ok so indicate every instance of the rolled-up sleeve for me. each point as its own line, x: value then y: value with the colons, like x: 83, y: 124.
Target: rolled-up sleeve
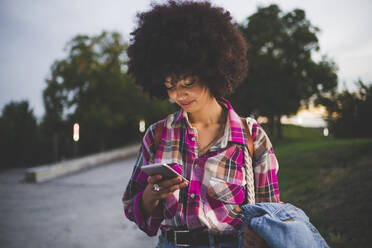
x: 265, y: 167
x: 132, y: 198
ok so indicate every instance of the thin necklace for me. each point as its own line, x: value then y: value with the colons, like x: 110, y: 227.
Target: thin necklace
x: 203, y: 150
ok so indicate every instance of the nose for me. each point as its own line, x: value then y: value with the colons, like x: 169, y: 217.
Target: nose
x: 179, y: 93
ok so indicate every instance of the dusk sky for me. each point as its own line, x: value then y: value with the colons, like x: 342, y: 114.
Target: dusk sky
x: 34, y: 33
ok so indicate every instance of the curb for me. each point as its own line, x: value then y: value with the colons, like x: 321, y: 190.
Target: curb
x: 48, y: 172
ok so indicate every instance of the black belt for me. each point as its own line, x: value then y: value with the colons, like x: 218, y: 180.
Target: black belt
x: 190, y: 238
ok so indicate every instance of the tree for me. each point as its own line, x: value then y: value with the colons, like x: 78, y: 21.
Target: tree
x: 19, y: 135
x: 282, y: 74
x: 90, y: 86
x: 349, y: 113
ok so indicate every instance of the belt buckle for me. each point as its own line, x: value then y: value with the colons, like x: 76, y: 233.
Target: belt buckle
x: 175, y: 238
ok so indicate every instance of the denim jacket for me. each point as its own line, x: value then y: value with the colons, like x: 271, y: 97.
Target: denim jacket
x: 282, y: 225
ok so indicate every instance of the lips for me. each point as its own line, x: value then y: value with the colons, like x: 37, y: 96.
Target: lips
x: 186, y: 104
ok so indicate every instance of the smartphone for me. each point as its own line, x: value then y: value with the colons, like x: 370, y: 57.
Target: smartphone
x: 165, y: 170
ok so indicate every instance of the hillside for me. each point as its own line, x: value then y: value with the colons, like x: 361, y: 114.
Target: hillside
x: 330, y: 180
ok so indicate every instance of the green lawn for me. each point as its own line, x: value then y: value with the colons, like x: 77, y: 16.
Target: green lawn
x: 330, y: 180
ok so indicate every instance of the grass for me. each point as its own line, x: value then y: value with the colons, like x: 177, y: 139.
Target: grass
x: 330, y: 180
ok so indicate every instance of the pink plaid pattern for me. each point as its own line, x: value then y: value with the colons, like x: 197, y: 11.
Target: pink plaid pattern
x: 217, y: 179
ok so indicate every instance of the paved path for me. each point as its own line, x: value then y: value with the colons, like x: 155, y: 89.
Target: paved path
x: 82, y: 210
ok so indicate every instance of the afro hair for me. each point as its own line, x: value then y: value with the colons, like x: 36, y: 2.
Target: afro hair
x: 187, y: 38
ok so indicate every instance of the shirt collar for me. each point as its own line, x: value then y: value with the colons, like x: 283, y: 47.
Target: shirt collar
x: 234, y: 130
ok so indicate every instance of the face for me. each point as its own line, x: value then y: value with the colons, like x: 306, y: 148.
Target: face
x: 188, y: 93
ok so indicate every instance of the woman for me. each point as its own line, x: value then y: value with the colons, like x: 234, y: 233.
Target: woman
x: 193, y: 53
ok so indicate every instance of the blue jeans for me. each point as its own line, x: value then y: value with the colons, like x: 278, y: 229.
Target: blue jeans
x: 164, y: 243
x: 282, y: 225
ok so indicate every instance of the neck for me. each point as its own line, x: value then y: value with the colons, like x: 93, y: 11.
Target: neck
x: 210, y: 113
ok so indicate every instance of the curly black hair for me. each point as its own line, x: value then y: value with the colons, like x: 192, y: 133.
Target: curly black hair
x: 187, y: 38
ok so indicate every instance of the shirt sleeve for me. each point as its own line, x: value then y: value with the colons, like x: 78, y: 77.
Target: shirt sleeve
x: 265, y: 166
x: 132, y: 197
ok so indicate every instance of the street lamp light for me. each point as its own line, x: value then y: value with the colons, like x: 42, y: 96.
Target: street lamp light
x: 76, y: 132
x: 142, y: 126
x: 325, y: 132
x: 75, y: 136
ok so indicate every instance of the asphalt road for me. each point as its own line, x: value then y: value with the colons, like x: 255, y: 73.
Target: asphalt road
x: 80, y: 210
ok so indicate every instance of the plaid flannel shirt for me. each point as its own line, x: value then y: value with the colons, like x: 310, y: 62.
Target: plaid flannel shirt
x: 217, y: 179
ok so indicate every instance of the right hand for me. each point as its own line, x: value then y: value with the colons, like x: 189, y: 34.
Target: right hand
x: 151, y: 198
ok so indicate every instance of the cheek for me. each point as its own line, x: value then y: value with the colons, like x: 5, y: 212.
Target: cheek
x: 202, y: 93
x: 197, y: 91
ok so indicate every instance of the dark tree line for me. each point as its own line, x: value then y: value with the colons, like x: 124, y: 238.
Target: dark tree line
x: 19, y: 135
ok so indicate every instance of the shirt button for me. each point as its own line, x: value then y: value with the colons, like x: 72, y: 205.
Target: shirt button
x: 192, y: 196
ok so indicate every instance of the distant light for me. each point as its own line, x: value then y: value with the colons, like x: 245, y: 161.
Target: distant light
x: 76, y: 132
x: 325, y: 132
x: 142, y: 126
x: 262, y: 119
x: 299, y: 120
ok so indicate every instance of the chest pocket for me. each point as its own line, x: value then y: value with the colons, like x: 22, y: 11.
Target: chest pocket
x: 226, y: 192
x: 225, y: 176
x: 227, y: 166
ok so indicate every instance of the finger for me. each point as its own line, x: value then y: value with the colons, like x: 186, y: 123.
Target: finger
x: 154, y: 179
x: 170, y: 182
x: 165, y: 193
x: 175, y: 187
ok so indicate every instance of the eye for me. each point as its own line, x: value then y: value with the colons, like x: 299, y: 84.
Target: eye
x: 190, y: 83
